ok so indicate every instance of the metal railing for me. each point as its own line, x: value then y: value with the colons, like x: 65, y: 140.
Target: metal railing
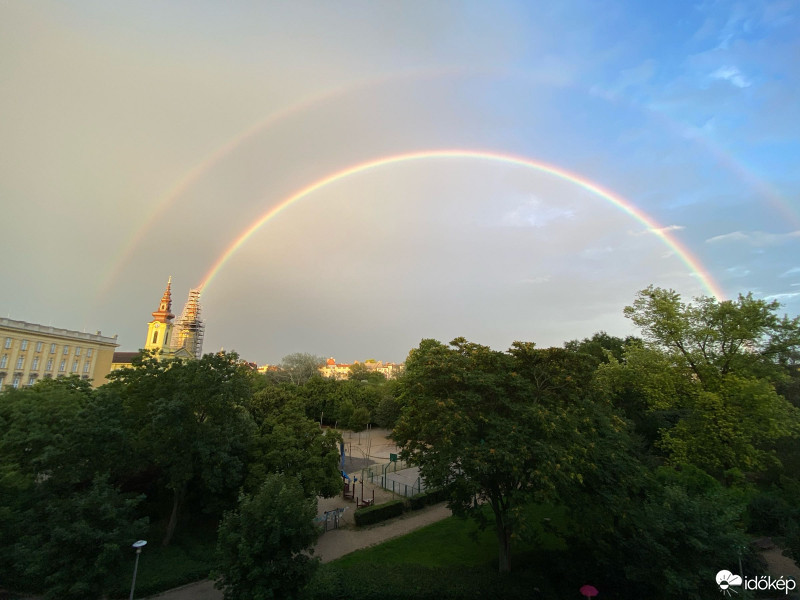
x: 396, y: 487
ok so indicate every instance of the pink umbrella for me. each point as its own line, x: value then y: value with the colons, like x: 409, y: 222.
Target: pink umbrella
x: 589, y: 591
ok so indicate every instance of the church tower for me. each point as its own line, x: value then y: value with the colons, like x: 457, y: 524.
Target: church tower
x: 159, y: 330
x: 189, y: 328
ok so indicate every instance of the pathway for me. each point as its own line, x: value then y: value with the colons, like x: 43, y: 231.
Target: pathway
x: 331, y: 545
x: 362, y: 449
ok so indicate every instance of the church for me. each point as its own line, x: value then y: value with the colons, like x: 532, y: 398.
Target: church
x: 182, y: 339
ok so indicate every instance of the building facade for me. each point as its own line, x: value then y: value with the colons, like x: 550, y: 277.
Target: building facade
x: 341, y: 371
x: 30, y: 352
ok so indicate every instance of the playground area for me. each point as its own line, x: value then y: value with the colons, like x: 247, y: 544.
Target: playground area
x: 367, y: 463
x: 369, y: 449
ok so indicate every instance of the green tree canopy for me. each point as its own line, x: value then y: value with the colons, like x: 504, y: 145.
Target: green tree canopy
x: 263, y: 548
x: 744, y: 336
x: 190, y: 424
x: 494, y: 428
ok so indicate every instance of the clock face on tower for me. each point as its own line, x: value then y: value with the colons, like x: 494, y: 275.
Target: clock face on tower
x: 156, y: 324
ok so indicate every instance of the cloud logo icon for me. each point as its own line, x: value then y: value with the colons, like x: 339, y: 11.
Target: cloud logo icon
x: 726, y: 579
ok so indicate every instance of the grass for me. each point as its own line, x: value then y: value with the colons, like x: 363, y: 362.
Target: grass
x: 449, y: 559
x: 456, y: 541
x: 188, y: 558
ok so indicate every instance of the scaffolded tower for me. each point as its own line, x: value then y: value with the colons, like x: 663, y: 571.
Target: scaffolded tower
x: 189, y: 328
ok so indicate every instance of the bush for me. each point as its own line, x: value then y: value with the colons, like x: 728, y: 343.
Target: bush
x: 379, y: 512
x: 427, y: 498
x: 768, y: 514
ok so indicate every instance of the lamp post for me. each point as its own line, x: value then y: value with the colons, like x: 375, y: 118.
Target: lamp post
x: 138, y: 545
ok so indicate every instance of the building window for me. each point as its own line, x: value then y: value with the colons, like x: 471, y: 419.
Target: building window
x: 8, y: 343
x: 66, y: 350
x: 39, y: 346
x: 52, y: 348
x: 75, y: 367
x: 77, y: 351
x: 31, y: 380
x: 24, y: 345
x: 62, y: 366
x: 3, y: 361
x: 86, y: 367
x: 35, y: 363
x: 49, y: 366
x: 155, y: 336
x: 20, y: 362
x: 15, y: 382
x: 89, y: 352
x: 2, y: 377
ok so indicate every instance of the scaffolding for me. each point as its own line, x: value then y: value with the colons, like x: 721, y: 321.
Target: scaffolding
x: 189, y: 328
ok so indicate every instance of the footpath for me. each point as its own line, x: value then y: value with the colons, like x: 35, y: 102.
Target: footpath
x: 361, y: 450
x: 332, y: 544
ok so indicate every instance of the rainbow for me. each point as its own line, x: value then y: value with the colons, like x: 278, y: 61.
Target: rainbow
x: 674, y: 244
x: 193, y: 175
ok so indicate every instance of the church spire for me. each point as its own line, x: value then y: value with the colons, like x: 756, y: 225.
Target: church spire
x: 164, y: 314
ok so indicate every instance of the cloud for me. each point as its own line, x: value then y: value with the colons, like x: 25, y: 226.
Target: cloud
x: 732, y: 75
x: 533, y: 213
x: 757, y: 239
x: 785, y: 296
x: 659, y: 230
x: 790, y: 272
x: 738, y: 271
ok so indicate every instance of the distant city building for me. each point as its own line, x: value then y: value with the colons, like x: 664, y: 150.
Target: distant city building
x: 30, y: 352
x: 183, y: 339
x: 342, y: 370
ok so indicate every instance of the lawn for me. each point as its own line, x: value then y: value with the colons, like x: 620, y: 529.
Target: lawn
x: 448, y: 559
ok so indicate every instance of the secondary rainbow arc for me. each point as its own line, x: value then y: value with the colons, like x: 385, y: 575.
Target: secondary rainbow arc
x: 626, y: 206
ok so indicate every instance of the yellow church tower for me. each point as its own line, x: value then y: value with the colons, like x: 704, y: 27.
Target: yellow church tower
x: 159, y: 330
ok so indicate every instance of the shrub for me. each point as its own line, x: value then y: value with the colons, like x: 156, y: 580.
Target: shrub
x: 379, y: 512
x: 768, y: 514
x: 427, y: 498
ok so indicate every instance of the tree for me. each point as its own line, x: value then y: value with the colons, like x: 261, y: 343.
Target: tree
x: 191, y: 425
x: 360, y: 372
x: 712, y: 365
x: 60, y: 442
x: 492, y: 428
x: 264, y: 546
x: 298, y: 368
x: 602, y: 347
x: 73, y: 544
x: 683, y: 528
x: 714, y: 338
x: 286, y: 441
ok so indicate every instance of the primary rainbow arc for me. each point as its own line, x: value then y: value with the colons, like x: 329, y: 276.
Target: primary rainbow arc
x: 626, y: 206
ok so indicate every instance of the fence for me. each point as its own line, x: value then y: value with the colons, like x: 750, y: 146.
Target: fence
x: 399, y: 479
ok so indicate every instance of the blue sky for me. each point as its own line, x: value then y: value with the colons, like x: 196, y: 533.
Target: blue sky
x: 130, y: 152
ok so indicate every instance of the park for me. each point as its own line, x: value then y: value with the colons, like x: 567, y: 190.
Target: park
x: 640, y: 467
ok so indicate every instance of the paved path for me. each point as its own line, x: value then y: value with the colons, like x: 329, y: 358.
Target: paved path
x: 372, y: 446
x: 331, y: 545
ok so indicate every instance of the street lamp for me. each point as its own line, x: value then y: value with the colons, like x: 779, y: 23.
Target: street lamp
x: 138, y: 545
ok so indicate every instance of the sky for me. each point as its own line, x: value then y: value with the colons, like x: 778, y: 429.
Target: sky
x: 560, y: 157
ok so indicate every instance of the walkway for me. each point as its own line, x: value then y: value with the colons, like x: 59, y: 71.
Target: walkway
x: 332, y: 545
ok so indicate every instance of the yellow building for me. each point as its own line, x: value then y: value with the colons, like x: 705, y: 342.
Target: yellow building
x: 185, y: 342
x: 341, y: 371
x: 29, y: 352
